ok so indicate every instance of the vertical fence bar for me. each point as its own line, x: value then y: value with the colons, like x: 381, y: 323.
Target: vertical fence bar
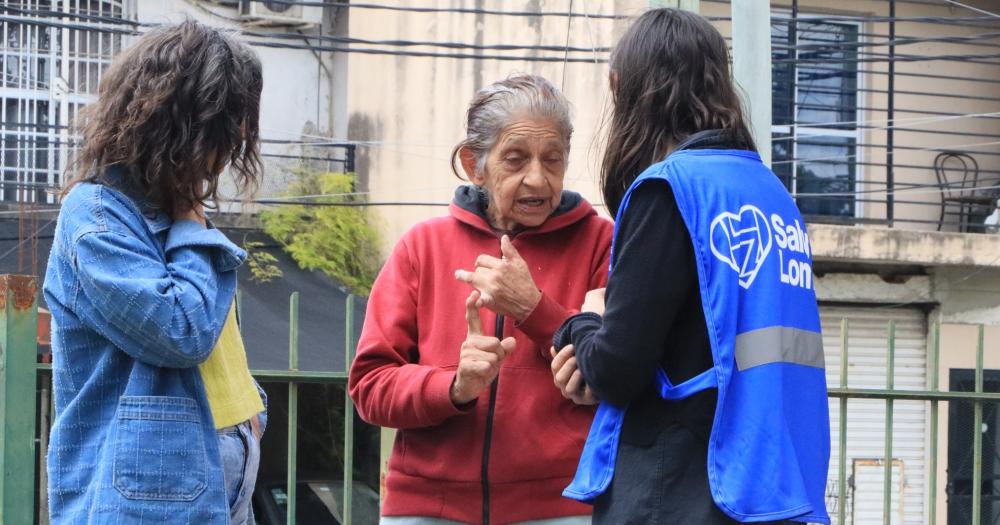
x: 18, y: 380
x: 293, y: 404
x: 977, y: 440
x: 44, y: 423
x: 889, y: 385
x: 842, y: 472
x: 348, y: 411
x: 932, y: 489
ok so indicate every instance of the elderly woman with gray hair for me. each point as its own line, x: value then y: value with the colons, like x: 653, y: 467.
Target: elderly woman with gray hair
x: 455, y: 351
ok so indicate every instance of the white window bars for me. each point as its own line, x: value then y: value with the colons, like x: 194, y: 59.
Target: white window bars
x: 51, y: 67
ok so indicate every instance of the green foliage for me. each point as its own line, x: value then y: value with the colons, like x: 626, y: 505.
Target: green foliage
x: 336, y: 240
x: 263, y: 265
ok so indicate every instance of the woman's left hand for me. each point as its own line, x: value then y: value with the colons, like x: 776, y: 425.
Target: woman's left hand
x: 505, y: 285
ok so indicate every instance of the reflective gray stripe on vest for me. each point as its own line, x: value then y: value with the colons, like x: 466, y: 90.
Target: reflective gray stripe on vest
x: 779, y: 344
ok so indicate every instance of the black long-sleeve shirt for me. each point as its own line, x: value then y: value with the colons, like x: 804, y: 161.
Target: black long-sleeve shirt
x: 653, y: 318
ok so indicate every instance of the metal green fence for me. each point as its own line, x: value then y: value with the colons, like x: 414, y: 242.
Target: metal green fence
x: 294, y: 377
x: 22, y: 496
x: 21, y: 377
x: 934, y: 396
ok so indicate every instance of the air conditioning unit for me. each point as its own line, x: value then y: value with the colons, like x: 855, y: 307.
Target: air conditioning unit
x: 270, y: 12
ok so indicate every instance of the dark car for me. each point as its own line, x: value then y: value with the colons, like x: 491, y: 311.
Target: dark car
x: 318, y: 502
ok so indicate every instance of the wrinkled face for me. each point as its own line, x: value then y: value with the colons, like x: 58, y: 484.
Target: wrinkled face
x: 523, y: 174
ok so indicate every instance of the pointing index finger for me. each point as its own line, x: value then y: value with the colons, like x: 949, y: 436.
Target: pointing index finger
x: 472, y: 314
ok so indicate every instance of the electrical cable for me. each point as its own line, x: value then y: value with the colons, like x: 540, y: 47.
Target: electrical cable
x: 508, y: 47
x: 329, y: 141
x: 569, y: 24
x: 328, y: 38
x: 935, y: 20
x: 823, y: 45
x: 335, y: 49
x: 854, y: 155
x: 566, y: 49
x: 975, y: 9
x: 348, y: 204
x: 458, y: 10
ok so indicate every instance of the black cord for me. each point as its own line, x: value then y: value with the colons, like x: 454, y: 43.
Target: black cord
x: 309, y: 47
x: 460, y: 10
x: 307, y: 37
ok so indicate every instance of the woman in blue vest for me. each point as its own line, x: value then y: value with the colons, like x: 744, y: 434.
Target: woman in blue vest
x: 705, y: 354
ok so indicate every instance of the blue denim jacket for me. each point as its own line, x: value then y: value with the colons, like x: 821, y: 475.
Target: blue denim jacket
x: 137, y: 303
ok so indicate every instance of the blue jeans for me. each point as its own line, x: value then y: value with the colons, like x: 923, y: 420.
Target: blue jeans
x: 240, y: 451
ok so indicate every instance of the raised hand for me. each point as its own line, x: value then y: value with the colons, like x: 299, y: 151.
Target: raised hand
x: 505, y: 284
x: 480, y: 358
x: 568, y: 379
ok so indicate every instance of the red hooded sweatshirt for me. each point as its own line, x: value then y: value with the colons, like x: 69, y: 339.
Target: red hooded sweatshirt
x: 507, y: 457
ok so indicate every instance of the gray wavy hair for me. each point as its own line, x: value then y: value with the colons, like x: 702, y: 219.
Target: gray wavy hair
x: 495, y: 106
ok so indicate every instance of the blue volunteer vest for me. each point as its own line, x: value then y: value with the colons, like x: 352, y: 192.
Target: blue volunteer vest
x: 769, y: 449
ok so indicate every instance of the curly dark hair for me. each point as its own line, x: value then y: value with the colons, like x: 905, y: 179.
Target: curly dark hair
x: 670, y: 79
x: 172, y: 111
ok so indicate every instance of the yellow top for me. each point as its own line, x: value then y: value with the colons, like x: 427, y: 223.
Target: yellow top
x: 232, y: 393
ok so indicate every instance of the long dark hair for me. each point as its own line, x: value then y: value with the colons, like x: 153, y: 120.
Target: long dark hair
x: 670, y: 78
x: 172, y: 111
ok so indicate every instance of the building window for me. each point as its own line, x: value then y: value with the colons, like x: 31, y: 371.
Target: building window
x: 815, y: 132
x: 48, y: 74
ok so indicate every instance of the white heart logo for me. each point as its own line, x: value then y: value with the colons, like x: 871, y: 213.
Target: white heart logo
x: 742, y: 241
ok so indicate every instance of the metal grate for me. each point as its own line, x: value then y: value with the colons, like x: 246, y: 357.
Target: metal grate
x: 48, y: 74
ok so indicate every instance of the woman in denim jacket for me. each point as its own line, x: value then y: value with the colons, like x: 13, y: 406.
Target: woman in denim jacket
x: 157, y: 418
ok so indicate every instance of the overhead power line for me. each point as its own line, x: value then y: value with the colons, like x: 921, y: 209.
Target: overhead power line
x: 457, y: 10
x: 325, y: 48
x: 417, y: 9
x: 307, y: 37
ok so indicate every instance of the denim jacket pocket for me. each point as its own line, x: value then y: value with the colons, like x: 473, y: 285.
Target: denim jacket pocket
x: 159, y: 449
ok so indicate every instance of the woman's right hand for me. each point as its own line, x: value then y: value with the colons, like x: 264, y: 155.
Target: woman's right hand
x: 568, y: 378
x: 480, y: 358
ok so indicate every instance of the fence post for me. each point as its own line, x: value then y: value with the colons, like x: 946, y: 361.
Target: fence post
x: 890, y: 386
x: 348, y: 411
x: 18, y: 381
x: 842, y: 467
x: 293, y: 407
x: 977, y: 440
x: 935, y: 363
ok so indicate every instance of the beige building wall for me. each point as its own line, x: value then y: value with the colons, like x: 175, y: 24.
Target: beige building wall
x: 413, y: 109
